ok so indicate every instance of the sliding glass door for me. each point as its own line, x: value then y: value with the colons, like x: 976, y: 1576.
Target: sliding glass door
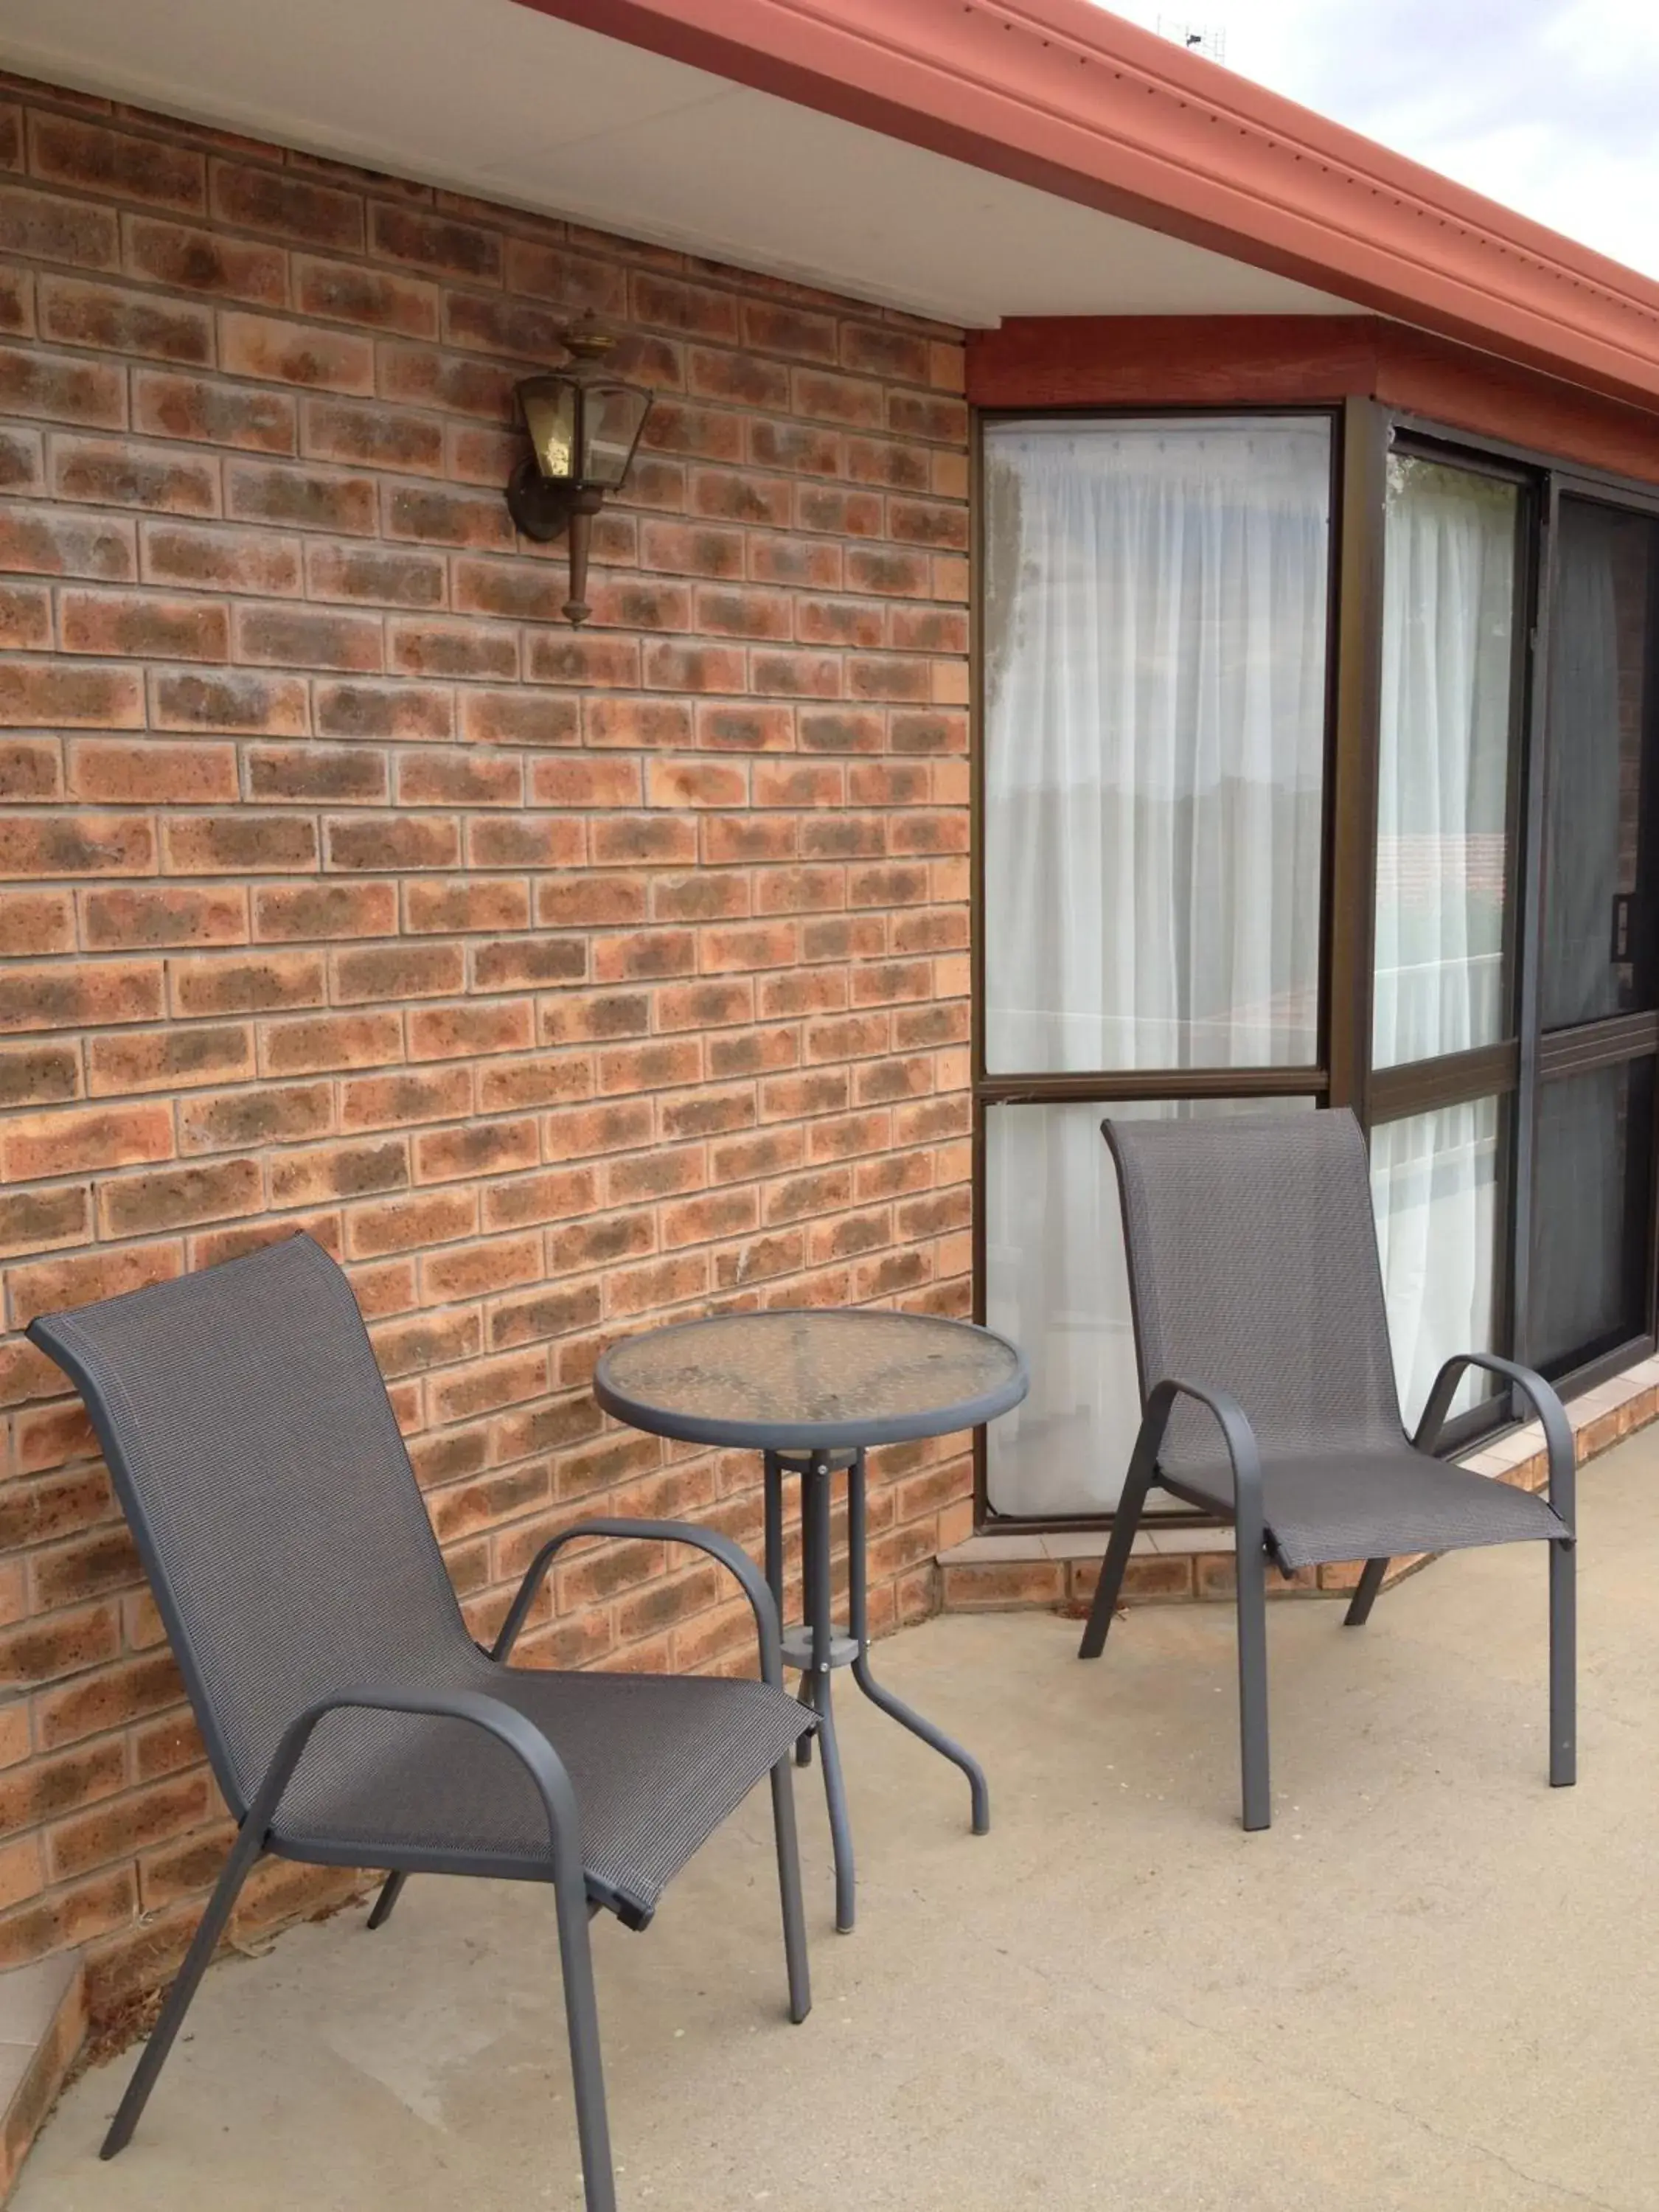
x: 1589, y: 1260
x: 1444, y: 1014
x: 1153, y: 830
x: 1166, y: 769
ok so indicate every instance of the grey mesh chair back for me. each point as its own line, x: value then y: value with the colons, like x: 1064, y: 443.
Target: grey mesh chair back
x: 1253, y: 1267
x: 1267, y: 1391
x: 260, y: 1466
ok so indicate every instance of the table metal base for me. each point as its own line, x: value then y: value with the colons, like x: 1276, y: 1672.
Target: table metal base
x: 818, y: 1648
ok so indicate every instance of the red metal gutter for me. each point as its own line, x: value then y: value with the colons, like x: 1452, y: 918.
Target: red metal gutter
x: 1059, y: 95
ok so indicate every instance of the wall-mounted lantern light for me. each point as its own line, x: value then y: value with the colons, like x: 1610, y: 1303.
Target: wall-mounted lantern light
x: 584, y: 423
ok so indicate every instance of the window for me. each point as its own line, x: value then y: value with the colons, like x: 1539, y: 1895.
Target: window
x: 1156, y: 615
x: 1154, y: 743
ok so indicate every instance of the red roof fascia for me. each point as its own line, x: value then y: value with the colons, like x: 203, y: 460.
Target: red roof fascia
x: 1059, y: 95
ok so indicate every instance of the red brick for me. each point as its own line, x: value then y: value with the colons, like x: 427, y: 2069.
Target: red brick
x: 446, y: 517
x: 25, y: 626
x: 450, y: 906
x: 273, y: 1113
x: 424, y: 377
x: 335, y: 774
x: 45, y: 227
x: 292, y: 207
x: 771, y: 327
x: 108, y: 473
x: 384, y: 710
x: 90, y: 159
x: 427, y: 241
x: 238, y: 704
x: 79, y: 312
x: 348, y: 293
x: 54, y: 1285
x: 572, y: 280
x: 329, y: 1042
x: 115, y: 771
x: 172, y: 1058
x: 324, y: 909
x: 257, y: 983
x: 281, y: 352
x: 167, y: 406
x: 62, y: 388
x: 289, y: 637
x: 458, y: 649
x: 35, y: 921
x: 76, y: 843
x: 389, y: 579
x: 379, y: 1102
x: 303, y: 499
x: 339, y: 430
x: 235, y: 844
x: 591, y: 661
x: 218, y: 559
x: 139, y: 1205
x: 191, y: 260
x: 46, y: 541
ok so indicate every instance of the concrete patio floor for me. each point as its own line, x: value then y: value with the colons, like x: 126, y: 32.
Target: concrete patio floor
x: 1433, y: 1984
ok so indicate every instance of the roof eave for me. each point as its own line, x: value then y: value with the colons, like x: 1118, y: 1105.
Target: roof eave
x: 1059, y: 95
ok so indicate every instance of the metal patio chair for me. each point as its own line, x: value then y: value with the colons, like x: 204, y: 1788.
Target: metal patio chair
x: 1268, y: 1392
x: 349, y: 1718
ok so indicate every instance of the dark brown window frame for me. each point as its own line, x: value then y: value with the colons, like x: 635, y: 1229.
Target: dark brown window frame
x: 1364, y: 432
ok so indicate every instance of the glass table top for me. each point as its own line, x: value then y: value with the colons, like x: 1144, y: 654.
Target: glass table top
x: 794, y: 1379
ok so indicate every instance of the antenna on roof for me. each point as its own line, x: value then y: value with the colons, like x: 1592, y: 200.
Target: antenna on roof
x: 1209, y: 39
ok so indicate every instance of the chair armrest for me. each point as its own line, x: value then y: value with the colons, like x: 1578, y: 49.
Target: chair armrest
x: 1546, y: 1403
x: 497, y: 1718
x: 731, y: 1556
x: 1243, y: 1453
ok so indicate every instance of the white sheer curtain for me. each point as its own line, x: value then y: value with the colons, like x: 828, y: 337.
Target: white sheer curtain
x: 1154, y: 733
x: 1441, y: 871
x: 1447, y: 646
x: 1155, y: 708
x: 1058, y: 1285
x: 1434, y: 1186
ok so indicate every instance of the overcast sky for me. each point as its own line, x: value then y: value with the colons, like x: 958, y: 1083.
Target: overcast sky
x: 1549, y: 106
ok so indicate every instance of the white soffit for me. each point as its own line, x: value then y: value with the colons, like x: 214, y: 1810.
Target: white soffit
x: 492, y: 98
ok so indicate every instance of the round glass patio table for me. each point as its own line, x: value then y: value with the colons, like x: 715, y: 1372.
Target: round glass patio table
x: 812, y: 1390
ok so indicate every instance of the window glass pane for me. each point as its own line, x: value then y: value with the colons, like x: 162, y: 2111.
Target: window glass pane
x: 1442, y: 792
x: 1592, y: 1205
x: 1154, y: 728
x: 1598, y: 927
x: 1056, y: 1282
x: 1434, y: 1186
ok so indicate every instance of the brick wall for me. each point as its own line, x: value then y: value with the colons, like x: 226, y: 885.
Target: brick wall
x: 557, y: 982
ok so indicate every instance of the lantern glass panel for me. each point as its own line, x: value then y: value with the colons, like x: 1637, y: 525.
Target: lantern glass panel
x: 612, y: 418
x: 549, y: 414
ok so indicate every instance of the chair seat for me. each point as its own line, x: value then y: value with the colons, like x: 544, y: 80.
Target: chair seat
x: 1373, y: 1502
x: 656, y: 1764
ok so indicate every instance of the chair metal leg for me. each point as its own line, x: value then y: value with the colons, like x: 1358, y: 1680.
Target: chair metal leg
x: 1125, y: 1522
x: 390, y: 1890
x: 1252, y: 1585
x: 247, y: 1849
x: 789, y: 1889
x: 581, y: 2015
x: 1564, y: 1664
x: 1365, y: 1593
